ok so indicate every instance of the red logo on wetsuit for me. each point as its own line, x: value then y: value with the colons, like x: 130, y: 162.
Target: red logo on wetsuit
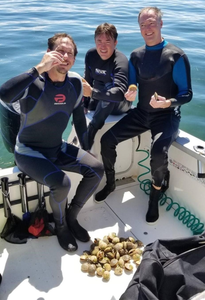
x: 60, y: 98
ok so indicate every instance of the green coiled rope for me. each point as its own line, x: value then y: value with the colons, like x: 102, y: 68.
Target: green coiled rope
x: 187, y: 218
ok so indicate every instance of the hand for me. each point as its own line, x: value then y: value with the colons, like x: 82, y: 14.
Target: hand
x: 130, y: 95
x: 50, y: 60
x: 87, y: 89
x: 159, y: 102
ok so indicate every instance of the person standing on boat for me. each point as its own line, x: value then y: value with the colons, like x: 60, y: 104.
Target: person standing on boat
x: 106, y: 80
x: 48, y: 94
x: 162, y: 73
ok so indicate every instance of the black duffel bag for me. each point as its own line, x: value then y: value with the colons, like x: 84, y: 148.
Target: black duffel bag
x: 170, y: 270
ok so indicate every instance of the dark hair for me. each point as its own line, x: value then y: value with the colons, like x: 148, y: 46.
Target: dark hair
x: 108, y: 29
x: 52, y: 41
x: 154, y: 8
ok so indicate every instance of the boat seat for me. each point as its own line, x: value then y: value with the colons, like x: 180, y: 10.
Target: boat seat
x: 194, y: 147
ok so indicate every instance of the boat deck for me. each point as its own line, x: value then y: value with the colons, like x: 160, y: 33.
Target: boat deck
x: 41, y: 270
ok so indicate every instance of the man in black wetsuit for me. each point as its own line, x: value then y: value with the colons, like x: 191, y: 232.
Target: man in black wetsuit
x: 106, y: 75
x: 162, y: 73
x: 48, y: 94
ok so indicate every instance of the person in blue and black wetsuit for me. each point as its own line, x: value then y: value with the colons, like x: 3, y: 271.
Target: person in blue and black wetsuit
x: 48, y: 94
x: 106, y: 75
x: 162, y: 73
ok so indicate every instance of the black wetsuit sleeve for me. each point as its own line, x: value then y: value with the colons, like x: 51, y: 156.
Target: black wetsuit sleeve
x: 182, y: 78
x: 86, y: 101
x: 13, y: 89
x: 79, y: 122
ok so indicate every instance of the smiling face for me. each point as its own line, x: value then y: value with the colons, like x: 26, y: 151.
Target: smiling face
x: 150, y: 26
x: 66, y: 48
x: 105, y: 45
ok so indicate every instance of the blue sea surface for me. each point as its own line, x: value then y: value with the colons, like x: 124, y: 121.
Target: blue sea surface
x: 27, y: 25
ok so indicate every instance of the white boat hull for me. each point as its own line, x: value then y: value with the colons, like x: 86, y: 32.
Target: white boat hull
x: 40, y: 269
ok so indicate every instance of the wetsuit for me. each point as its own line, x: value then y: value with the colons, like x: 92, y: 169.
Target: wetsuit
x: 46, y: 108
x: 164, y: 69
x: 109, y: 79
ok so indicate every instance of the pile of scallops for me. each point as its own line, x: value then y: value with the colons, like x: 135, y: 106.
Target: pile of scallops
x: 111, y: 253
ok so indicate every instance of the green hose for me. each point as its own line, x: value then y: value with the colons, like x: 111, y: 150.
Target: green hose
x: 188, y: 219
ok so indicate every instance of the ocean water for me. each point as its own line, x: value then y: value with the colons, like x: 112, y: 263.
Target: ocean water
x: 26, y: 26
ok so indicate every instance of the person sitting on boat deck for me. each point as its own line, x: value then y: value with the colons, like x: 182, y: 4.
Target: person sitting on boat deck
x: 106, y: 79
x: 162, y: 73
x: 49, y: 93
